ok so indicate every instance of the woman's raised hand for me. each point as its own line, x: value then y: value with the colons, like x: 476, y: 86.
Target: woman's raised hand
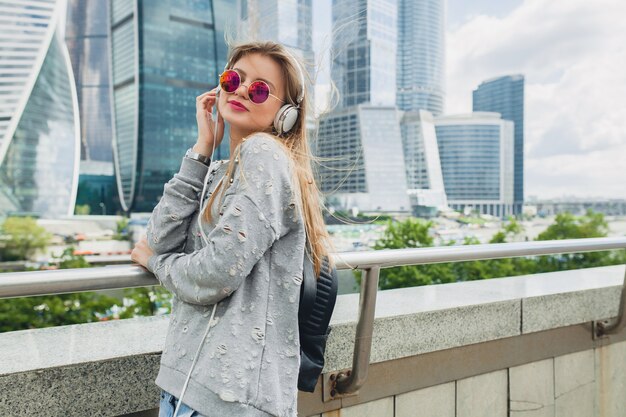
x: 206, y: 124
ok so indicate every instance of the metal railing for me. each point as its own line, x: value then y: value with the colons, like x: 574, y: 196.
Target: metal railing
x: 345, y: 382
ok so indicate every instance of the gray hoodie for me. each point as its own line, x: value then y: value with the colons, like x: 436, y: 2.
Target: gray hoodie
x: 252, y: 269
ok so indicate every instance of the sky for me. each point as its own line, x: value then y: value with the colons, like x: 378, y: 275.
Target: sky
x: 573, y: 56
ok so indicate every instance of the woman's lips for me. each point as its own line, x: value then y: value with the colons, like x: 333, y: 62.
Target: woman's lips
x: 237, y: 106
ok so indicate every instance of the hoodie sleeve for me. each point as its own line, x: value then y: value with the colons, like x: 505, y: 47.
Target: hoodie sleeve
x: 168, y: 224
x: 250, y: 221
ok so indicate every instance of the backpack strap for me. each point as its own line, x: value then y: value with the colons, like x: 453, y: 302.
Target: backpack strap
x: 317, y: 297
x: 308, y: 289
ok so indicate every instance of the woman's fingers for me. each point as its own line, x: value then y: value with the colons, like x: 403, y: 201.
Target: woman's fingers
x: 208, y: 101
x: 201, y: 96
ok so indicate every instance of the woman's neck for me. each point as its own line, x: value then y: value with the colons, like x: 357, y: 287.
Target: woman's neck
x: 236, y: 135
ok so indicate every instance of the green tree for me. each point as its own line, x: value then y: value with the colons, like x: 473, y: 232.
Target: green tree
x: 122, y: 230
x: 146, y: 301
x: 569, y: 226
x: 58, y: 309
x: 82, y: 209
x: 411, y: 233
x: 21, y: 237
x: 68, y: 260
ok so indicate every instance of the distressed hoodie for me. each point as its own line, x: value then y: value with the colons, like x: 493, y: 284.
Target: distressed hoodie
x: 251, y: 272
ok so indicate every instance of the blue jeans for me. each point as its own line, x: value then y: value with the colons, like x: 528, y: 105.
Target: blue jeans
x: 168, y: 403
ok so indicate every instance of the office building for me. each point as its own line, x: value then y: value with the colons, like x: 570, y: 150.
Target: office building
x: 362, y: 164
x: 423, y: 168
x: 505, y: 95
x: 39, y: 119
x: 476, y: 152
x: 163, y: 55
x: 421, y: 55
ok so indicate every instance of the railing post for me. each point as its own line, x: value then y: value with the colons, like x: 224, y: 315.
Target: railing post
x: 602, y: 328
x: 349, y: 381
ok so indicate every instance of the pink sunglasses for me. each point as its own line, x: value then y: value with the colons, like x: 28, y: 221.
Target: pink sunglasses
x: 258, y: 91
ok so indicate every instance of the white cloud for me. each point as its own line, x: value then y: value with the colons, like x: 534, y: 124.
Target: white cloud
x: 573, y: 55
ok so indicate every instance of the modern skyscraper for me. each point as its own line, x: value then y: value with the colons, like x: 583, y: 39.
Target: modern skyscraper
x: 505, y: 95
x: 423, y: 166
x: 163, y: 55
x: 86, y: 38
x: 421, y: 55
x: 364, y: 50
x: 362, y: 138
x: 289, y: 22
x: 476, y: 153
x: 362, y: 164
x: 39, y: 120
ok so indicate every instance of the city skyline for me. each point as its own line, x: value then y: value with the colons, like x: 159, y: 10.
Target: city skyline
x: 573, y: 145
x: 572, y: 58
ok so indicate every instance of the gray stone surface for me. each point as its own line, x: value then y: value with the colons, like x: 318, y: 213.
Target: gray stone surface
x: 107, y: 388
x: 610, y: 386
x: 531, y: 388
x: 482, y: 395
x: 574, y: 379
x: 28, y: 350
x: 437, y: 401
x: 376, y: 408
x: 411, y: 334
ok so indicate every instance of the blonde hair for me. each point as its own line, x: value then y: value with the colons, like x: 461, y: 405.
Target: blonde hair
x: 296, y: 146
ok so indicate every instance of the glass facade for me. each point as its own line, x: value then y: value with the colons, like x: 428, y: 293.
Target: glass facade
x: 289, y: 22
x: 86, y: 36
x: 357, y: 168
x: 97, y: 188
x: 364, y: 51
x: 40, y: 148
x: 343, y: 168
x: 476, y: 154
x: 163, y: 55
x: 421, y: 55
x: 505, y: 95
x: 421, y: 158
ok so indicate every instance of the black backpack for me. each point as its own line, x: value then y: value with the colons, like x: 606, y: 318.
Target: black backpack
x: 317, y: 301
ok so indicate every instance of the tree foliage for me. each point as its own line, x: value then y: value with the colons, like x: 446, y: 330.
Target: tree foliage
x: 21, y: 237
x: 416, y: 233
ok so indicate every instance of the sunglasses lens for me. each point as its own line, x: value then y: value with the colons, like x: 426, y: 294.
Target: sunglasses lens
x: 258, y: 92
x: 229, y: 81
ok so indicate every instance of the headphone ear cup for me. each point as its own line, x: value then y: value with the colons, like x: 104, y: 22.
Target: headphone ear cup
x: 285, y: 118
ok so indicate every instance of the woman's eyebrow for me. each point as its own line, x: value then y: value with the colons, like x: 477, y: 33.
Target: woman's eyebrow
x: 262, y: 79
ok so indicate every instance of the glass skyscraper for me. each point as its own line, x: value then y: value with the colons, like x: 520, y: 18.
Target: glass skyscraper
x: 421, y: 55
x: 362, y: 164
x: 362, y: 140
x: 505, y: 95
x: 476, y: 153
x: 364, y: 50
x: 86, y: 39
x: 289, y: 22
x: 423, y: 166
x: 39, y: 119
x: 163, y: 55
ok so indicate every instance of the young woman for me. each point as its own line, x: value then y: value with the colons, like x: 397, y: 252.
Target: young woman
x: 234, y: 264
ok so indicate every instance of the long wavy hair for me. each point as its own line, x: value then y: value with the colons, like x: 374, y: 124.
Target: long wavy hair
x: 296, y: 144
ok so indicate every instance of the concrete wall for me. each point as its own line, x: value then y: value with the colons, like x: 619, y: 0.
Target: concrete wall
x: 519, y: 346
x: 582, y: 384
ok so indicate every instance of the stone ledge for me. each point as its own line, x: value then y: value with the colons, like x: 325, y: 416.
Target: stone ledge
x: 409, y: 321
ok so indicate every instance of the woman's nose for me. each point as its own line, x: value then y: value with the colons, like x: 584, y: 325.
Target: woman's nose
x: 242, y: 91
